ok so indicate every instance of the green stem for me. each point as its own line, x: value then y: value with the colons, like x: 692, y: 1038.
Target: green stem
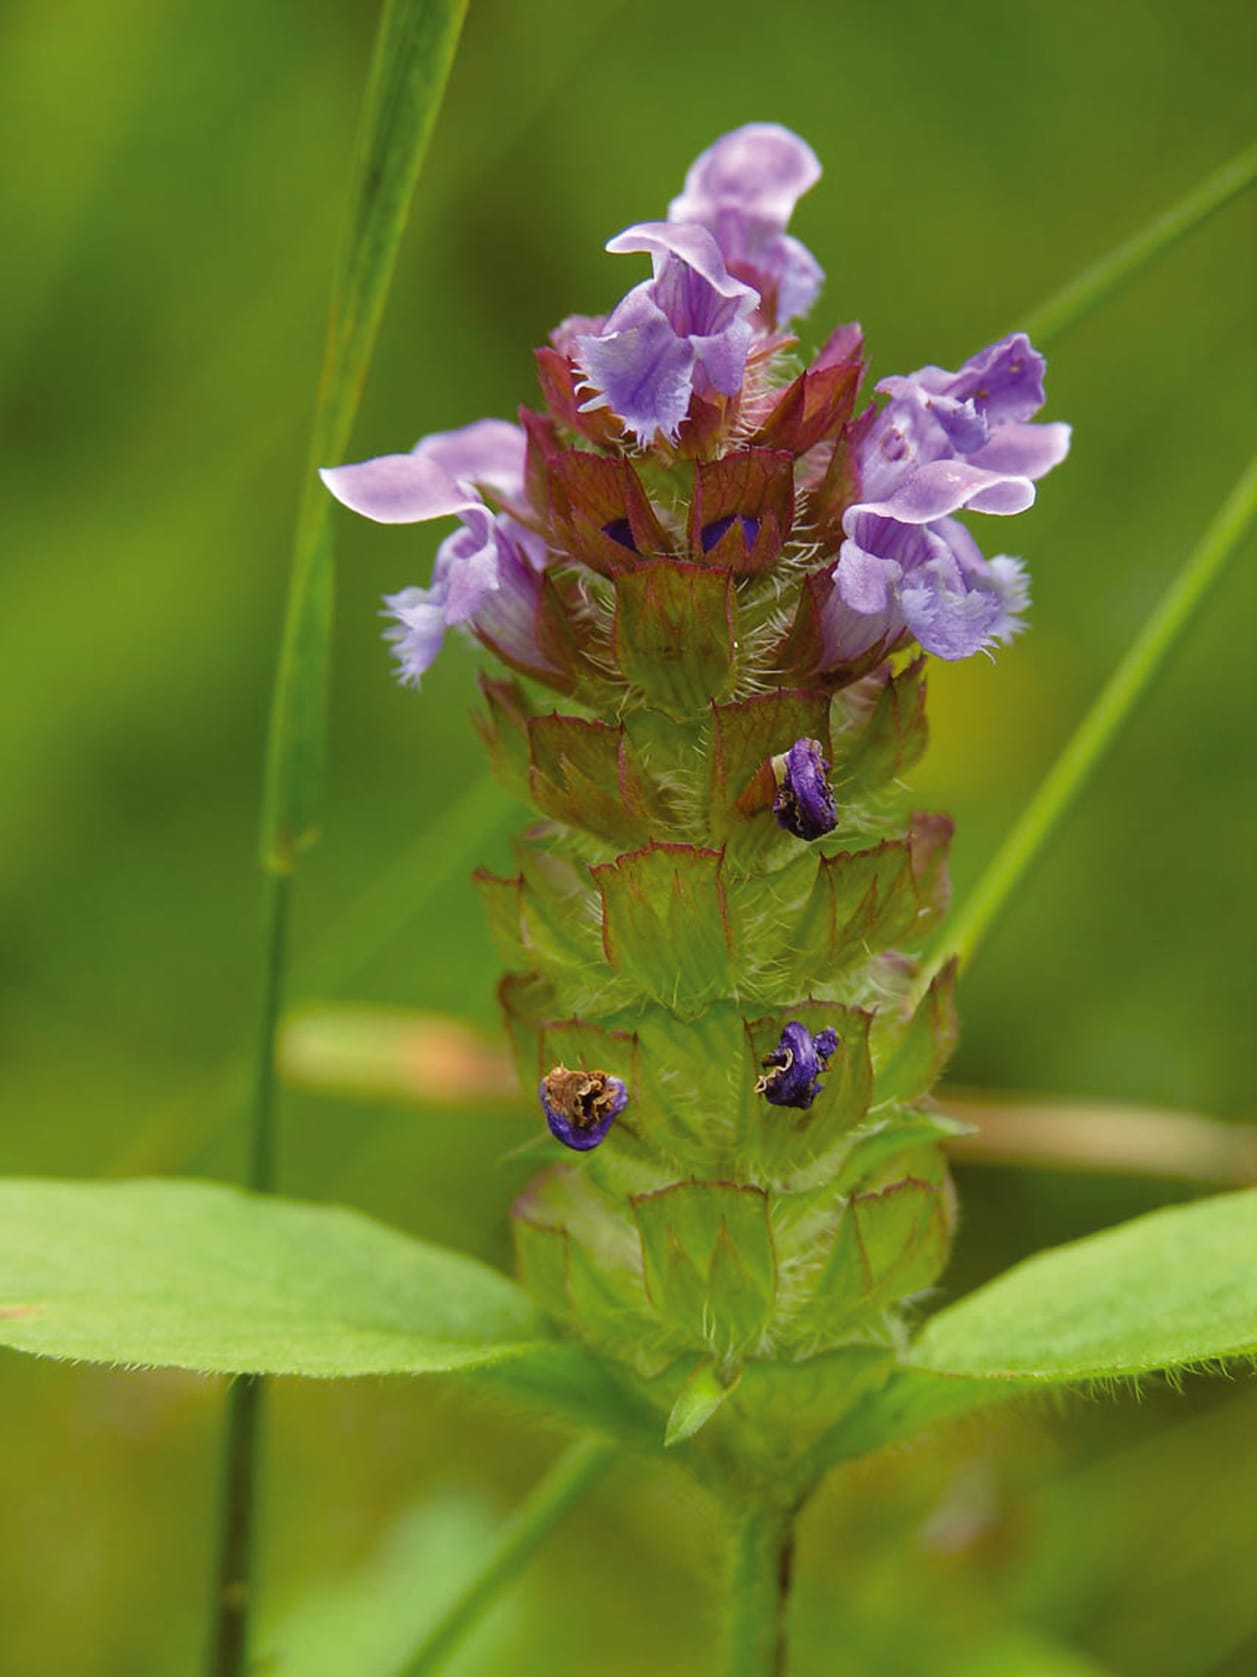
x: 761, y: 1560
x: 229, y: 1650
x: 526, y: 1531
x: 1110, y: 273
x: 414, y: 51
x: 1096, y: 733
x: 229, y: 1653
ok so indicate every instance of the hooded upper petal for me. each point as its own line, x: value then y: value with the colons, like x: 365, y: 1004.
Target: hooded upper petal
x: 685, y: 329
x: 761, y: 170
x: 743, y: 190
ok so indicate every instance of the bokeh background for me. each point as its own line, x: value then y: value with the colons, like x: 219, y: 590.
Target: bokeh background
x: 172, y: 200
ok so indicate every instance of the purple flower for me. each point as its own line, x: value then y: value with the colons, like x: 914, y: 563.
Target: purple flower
x: 488, y: 573
x: 743, y: 189
x: 944, y: 442
x: 804, y: 804
x: 684, y: 331
x: 437, y: 477
x: 792, y: 1069
x: 581, y: 1106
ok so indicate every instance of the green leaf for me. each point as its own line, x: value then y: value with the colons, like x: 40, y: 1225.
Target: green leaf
x: 1172, y: 1289
x: 198, y: 1276
x: 413, y: 55
x: 699, y: 1399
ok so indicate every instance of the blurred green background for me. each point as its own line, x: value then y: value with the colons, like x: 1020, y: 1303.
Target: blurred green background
x: 172, y: 203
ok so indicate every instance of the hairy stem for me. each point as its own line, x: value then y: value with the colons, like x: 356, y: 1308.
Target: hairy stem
x: 1096, y: 733
x: 525, y: 1532
x: 761, y: 1559
x: 1097, y: 283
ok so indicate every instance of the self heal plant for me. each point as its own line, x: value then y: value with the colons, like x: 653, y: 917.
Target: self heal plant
x: 713, y: 597
x: 713, y: 574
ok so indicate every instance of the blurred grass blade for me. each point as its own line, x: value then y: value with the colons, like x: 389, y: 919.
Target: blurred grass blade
x: 537, y: 1516
x: 413, y: 54
x: 1075, y: 1135
x: 1110, y: 273
x: 1099, y: 729
x: 364, y: 1622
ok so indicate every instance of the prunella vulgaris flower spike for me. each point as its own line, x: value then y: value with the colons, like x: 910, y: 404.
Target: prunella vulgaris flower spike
x: 730, y: 574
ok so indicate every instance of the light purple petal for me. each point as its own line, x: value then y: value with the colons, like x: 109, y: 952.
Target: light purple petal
x: 798, y: 274
x: 1025, y: 450
x: 691, y: 245
x: 643, y: 373
x: 943, y: 487
x: 947, y: 618
x: 1004, y: 577
x: 1005, y: 380
x: 722, y: 357
x: 467, y: 564
x: 761, y: 169
x: 865, y: 581
x: 397, y: 489
x: 419, y: 624
x: 488, y: 452
x: 508, y: 616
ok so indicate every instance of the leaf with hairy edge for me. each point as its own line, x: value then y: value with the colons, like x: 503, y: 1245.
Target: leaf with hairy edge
x: 194, y: 1275
x: 1174, y: 1288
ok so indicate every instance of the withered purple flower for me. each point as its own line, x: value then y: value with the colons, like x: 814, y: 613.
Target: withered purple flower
x: 804, y: 804
x: 581, y: 1106
x: 792, y: 1070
